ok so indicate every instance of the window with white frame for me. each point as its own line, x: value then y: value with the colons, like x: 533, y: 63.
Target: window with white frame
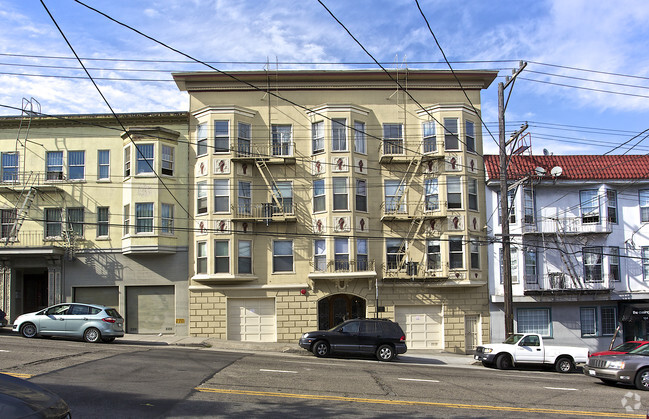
x: 361, y: 195
x: 54, y: 165
x: 167, y: 218
x: 588, y: 319
x: 451, y: 140
x: 645, y: 263
x: 7, y: 219
x: 221, y: 136
x: 475, y: 254
x: 319, y: 198
x: 201, y: 197
x: 513, y: 258
x: 394, y: 199
x: 528, y: 203
x: 362, y: 255
x: 221, y: 256
x: 74, y: 218
x: 392, y: 139
x: 127, y: 161
x: 395, y: 253
x: 531, y: 275
x: 76, y: 165
x: 598, y: 321
x: 341, y: 253
x: 167, y: 160
x: 430, y: 139
x: 473, y: 194
x: 511, y: 207
x: 221, y: 195
x: 589, y: 206
x: 611, y: 206
x: 283, y: 256
x: 360, y: 144
x: 127, y: 219
x: 244, y: 257
x: 433, y: 255
x: 456, y: 252
x: 244, y: 199
x: 283, y: 190
x: 144, y: 217
x: 431, y: 190
x: 320, y: 255
x: 103, y: 165
x: 592, y: 257
x: 144, y: 160
x: 339, y: 134
x: 340, y: 193
x: 469, y: 135
x: 282, y: 140
x: 614, y: 263
x: 243, y: 139
x: 644, y: 205
x: 201, y: 257
x: 201, y: 140
x: 10, y: 167
x: 534, y: 320
x: 53, y: 222
x: 454, y: 192
x: 317, y: 137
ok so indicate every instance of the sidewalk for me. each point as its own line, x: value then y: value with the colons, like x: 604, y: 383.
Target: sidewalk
x: 423, y: 356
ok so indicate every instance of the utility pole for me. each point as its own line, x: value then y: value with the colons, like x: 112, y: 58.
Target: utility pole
x: 504, y: 207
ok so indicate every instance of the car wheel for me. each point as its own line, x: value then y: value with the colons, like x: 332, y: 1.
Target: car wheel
x: 92, y: 335
x: 608, y: 382
x: 503, y: 362
x: 385, y: 353
x: 107, y: 340
x: 28, y: 330
x: 564, y: 364
x: 321, y: 349
x: 642, y: 380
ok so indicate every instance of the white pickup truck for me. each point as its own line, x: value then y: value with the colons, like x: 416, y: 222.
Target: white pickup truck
x: 528, y: 348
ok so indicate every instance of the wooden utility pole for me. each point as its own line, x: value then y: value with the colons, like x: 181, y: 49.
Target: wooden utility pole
x: 504, y: 207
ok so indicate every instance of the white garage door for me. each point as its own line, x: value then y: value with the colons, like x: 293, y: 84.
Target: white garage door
x: 251, y: 319
x: 423, y: 326
x: 150, y: 309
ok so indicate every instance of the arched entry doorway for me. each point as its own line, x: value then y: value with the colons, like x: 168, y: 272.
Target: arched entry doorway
x: 337, y: 308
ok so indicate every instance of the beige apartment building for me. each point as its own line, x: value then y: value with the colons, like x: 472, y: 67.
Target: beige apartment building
x: 95, y: 210
x: 317, y: 196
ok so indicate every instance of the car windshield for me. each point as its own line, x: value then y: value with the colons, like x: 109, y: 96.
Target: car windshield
x: 643, y: 350
x: 513, y: 339
x: 625, y: 347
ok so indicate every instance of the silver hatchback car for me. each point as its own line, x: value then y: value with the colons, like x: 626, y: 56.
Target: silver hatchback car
x: 91, y: 322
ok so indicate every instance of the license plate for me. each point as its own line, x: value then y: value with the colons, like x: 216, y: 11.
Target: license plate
x: 591, y: 372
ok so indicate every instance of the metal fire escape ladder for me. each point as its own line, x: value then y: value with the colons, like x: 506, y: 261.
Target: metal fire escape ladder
x: 565, y: 258
x: 270, y: 183
x: 27, y: 196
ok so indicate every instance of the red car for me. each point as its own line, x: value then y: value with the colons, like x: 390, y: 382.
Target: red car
x: 624, y: 348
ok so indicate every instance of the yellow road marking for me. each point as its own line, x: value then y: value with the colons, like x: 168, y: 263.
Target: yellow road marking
x: 416, y: 403
x: 17, y: 375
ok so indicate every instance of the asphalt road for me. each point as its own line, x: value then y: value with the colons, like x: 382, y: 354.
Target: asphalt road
x: 148, y: 381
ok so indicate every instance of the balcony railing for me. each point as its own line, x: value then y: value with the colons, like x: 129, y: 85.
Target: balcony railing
x: 342, y: 266
x: 410, y: 270
x: 31, y: 238
x: 404, y: 210
x: 560, y: 281
x: 571, y: 225
x: 392, y: 148
x: 264, y: 211
x: 247, y: 150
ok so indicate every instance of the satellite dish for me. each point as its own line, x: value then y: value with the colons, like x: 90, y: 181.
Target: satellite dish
x: 556, y: 171
x: 546, y: 152
x: 540, y: 171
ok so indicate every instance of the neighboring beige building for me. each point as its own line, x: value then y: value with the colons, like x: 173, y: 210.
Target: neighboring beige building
x: 323, y: 195
x: 93, y: 213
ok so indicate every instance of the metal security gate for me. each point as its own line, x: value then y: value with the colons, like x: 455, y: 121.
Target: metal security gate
x: 150, y: 310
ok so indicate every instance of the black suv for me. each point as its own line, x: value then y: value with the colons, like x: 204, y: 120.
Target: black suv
x: 381, y: 337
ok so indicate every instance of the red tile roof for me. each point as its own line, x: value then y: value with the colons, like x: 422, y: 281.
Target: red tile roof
x: 572, y: 167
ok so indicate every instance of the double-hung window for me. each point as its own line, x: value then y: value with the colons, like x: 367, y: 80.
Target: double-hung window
x: 7, y: 219
x: 392, y: 139
x: 340, y: 193
x: 395, y: 253
x: 320, y: 255
x: 221, y: 136
x: 614, y: 263
x: 221, y: 195
x: 54, y: 162
x: 451, y: 140
x: 473, y: 194
x: 592, y: 257
x: 201, y: 197
x: 456, y: 252
x: 433, y: 255
x: 528, y: 203
x: 338, y: 134
x: 430, y: 139
x: 341, y: 253
x: 394, y: 199
x: 319, y: 198
x: 103, y: 165
x: 513, y: 262
x: 245, y: 198
x: 167, y: 160
x: 201, y: 257
x: 127, y: 219
x: 611, y: 206
x: 511, y: 207
x: 531, y: 276
x: 144, y: 217
x: 598, y: 321
x: 282, y: 140
x: 534, y: 320
x: 645, y: 263
x: 144, y: 158
x: 360, y: 145
x: 74, y: 218
x: 283, y: 256
x: 244, y: 254
x: 127, y: 161
x: 283, y: 190
x: 589, y: 206
x: 469, y: 135
x: 474, y: 246
x: 431, y: 190
x: 76, y: 165
x: 361, y: 195
x: 53, y: 222
x: 221, y: 256
x: 167, y: 218
x: 201, y: 140
x: 317, y: 137
x: 243, y: 144
x: 644, y: 205
x: 10, y: 167
x: 362, y: 261
x: 454, y: 192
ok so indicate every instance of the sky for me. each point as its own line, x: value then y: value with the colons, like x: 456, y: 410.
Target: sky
x: 585, y: 89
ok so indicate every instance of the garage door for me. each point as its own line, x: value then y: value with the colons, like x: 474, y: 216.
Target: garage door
x: 251, y: 319
x: 150, y: 310
x: 423, y: 326
x: 106, y: 296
